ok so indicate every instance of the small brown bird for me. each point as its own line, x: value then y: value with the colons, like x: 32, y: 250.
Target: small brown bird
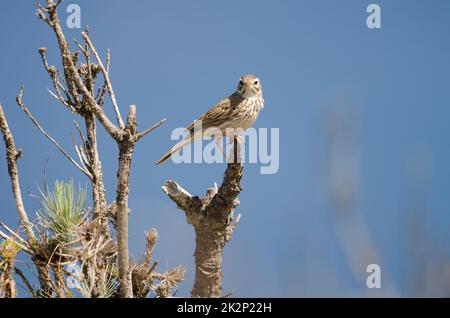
x: 238, y: 111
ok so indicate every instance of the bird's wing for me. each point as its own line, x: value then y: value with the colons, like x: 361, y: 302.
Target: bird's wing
x: 226, y: 108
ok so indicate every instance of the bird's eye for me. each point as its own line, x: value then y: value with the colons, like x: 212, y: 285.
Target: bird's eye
x: 256, y: 83
x: 241, y: 82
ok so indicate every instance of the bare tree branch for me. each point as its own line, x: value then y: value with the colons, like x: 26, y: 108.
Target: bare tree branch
x: 126, y: 148
x: 102, y: 92
x: 149, y: 130
x: 53, y: 73
x: 54, y: 142
x: 72, y: 76
x: 80, y: 82
x: 12, y: 155
x: 213, y: 221
x: 107, y: 80
x: 181, y: 197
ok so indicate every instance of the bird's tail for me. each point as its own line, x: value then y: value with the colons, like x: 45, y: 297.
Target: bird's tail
x: 174, y: 149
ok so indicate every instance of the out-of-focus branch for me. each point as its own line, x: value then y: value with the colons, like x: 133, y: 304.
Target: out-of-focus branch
x: 351, y: 231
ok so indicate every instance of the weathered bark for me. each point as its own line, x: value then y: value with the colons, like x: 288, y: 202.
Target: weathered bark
x: 213, y: 222
x: 126, y: 148
x: 7, y: 282
x: 44, y: 277
x: 76, y: 92
x: 208, y: 262
x: 98, y: 188
x: 90, y: 107
x: 12, y: 155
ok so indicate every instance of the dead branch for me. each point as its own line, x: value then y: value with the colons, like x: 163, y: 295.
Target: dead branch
x: 126, y: 148
x: 107, y: 80
x: 53, y: 73
x: 149, y: 130
x: 98, y: 188
x: 12, y: 155
x: 92, y: 246
x: 22, y: 105
x: 126, y: 136
x: 213, y: 222
x: 144, y: 273
x: 77, y: 105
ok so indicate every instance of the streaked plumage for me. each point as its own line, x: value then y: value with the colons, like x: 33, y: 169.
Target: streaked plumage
x: 239, y: 110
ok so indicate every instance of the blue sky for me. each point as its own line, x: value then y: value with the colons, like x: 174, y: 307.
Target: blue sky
x: 316, y: 59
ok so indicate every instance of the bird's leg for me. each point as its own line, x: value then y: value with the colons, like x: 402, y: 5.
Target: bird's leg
x: 240, y: 141
x: 218, y: 142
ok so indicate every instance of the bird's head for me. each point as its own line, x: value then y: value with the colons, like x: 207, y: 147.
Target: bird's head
x: 249, y: 86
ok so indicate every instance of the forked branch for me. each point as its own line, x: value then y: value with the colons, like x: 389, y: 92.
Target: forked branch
x: 213, y: 221
x: 80, y: 86
x: 25, y: 109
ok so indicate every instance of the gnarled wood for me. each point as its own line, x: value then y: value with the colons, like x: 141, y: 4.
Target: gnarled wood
x: 213, y: 222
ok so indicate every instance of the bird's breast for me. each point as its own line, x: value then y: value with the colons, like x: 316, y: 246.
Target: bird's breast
x: 251, y: 109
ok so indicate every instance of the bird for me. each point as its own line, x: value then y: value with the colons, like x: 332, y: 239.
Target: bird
x: 238, y: 111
